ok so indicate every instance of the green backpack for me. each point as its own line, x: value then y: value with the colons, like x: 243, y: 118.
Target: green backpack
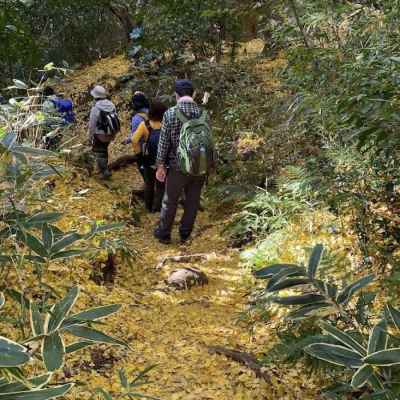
x: 196, y: 152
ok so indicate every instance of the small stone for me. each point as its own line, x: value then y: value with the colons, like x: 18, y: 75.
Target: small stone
x: 186, y: 278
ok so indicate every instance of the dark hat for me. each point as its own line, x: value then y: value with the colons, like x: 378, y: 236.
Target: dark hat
x: 183, y: 85
x: 139, y: 101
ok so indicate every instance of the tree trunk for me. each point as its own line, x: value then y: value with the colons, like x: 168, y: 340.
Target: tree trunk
x: 121, y: 12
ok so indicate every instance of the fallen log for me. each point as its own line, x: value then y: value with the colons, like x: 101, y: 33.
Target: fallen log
x: 247, y: 359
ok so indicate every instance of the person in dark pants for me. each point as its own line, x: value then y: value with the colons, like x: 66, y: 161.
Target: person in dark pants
x: 146, y: 138
x: 176, y: 181
x: 98, y: 139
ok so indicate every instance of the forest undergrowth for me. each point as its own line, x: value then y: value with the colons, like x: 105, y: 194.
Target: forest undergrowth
x: 260, y: 216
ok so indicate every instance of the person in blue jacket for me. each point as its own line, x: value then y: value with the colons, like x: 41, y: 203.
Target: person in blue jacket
x: 140, y: 106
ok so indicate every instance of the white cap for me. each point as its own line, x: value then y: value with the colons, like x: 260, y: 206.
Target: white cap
x: 98, y: 92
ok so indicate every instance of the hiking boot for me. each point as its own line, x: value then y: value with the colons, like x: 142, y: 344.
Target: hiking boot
x: 164, y: 239
x: 102, y: 165
x: 185, y: 237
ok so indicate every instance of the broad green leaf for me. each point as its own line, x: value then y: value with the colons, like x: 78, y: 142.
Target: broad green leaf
x: 36, y: 382
x: 61, y: 309
x: 123, y: 378
x: 64, y: 242
x: 394, y: 315
x: 307, y: 311
x: 362, y: 376
x: 47, y: 236
x: 2, y: 299
x: 42, y: 394
x: 335, y: 354
x: 267, y: 272
x: 291, y: 271
x: 7, y: 259
x: 78, y: 346
x: 104, y: 228
x: 53, y: 351
x: 36, y: 319
x: 33, y: 243
x: 344, y: 338
x: 104, y: 394
x: 314, y: 261
x: 288, y: 283
x: 92, y: 314
x: 18, y: 297
x: 378, y: 338
x: 346, y: 294
x: 85, y: 332
x: 67, y: 254
x: 12, y: 354
x: 299, y: 300
x: 384, y: 358
x: 43, y: 218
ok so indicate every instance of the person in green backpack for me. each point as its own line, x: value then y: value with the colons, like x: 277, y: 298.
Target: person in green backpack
x: 185, y: 158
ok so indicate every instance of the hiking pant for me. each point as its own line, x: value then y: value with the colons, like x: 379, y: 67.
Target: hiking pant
x: 153, y: 189
x: 191, y: 186
x: 140, y: 164
x: 100, y: 152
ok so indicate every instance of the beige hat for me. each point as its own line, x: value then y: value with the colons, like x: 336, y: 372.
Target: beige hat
x: 98, y: 92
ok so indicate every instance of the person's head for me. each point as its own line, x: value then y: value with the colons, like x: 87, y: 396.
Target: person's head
x: 139, y: 102
x: 157, y: 110
x: 98, y: 92
x: 184, y: 87
x: 48, y: 91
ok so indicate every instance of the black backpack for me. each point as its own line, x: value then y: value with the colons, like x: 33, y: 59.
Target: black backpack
x: 150, y: 147
x: 108, y: 123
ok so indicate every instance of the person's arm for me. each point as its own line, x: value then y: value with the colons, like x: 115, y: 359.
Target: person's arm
x: 163, y: 148
x: 136, y: 121
x: 94, y: 116
x: 140, y: 132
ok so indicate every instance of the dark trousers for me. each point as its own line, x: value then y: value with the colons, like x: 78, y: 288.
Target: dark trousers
x: 153, y: 189
x: 100, y: 152
x: 175, y: 185
x: 141, y: 165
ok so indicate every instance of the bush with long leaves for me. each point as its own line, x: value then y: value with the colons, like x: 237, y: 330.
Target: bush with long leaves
x: 49, y: 325
x: 371, y: 352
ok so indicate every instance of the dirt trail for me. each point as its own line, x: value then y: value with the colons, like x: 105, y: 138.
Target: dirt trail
x: 170, y: 329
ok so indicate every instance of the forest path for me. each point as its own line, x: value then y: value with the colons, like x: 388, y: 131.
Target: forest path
x: 171, y: 329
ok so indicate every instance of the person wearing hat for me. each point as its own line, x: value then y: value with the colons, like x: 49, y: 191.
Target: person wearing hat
x: 98, y: 139
x: 176, y: 181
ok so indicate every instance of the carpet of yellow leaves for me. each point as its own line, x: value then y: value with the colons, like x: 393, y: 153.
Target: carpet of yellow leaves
x: 170, y: 329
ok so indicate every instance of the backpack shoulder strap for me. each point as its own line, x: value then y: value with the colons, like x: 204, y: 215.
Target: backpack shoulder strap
x: 181, y: 116
x: 148, y: 126
x: 203, y: 116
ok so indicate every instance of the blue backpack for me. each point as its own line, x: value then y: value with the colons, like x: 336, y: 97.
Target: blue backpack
x: 65, y: 108
x: 150, y: 147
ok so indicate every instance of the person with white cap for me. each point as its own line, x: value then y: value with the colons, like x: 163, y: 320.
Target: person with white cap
x: 103, y: 126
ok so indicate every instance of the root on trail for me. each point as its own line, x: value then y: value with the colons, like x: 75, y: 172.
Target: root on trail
x: 247, y: 359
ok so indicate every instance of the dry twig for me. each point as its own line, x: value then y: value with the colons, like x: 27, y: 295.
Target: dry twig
x: 247, y: 359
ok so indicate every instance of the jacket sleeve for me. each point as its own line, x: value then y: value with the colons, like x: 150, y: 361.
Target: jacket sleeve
x: 141, y: 132
x: 136, y: 121
x: 165, y: 141
x: 94, y: 115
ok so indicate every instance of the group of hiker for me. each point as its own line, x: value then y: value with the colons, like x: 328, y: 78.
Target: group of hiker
x: 174, y: 150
